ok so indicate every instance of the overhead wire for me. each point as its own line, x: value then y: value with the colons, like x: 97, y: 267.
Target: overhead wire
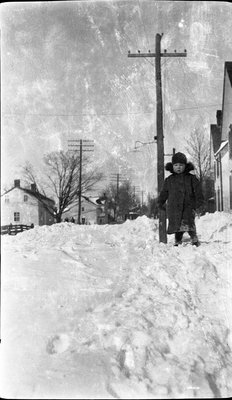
x: 190, y: 96
x: 132, y: 90
x: 183, y: 66
x: 8, y: 115
x: 148, y: 45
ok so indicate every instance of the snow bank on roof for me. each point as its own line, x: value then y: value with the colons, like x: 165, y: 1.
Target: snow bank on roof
x: 223, y: 144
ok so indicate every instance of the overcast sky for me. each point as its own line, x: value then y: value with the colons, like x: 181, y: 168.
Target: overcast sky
x: 66, y: 75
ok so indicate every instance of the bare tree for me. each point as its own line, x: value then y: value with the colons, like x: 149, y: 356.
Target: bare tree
x: 198, y: 147
x: 121, y: 200
x: 61, y: 180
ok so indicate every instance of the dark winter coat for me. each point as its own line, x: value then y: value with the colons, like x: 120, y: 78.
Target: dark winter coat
x: 183, y: 195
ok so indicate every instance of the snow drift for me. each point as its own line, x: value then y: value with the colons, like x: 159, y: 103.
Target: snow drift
x: 109, y: 312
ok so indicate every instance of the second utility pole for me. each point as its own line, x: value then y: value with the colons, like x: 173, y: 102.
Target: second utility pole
x: 80, y: 183
x: 86, y: 146
x: 159, y: 124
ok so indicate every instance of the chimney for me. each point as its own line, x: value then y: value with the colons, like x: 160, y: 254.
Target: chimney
x: 17, y: 183
x: 33, y: 187
x: 219, y: 117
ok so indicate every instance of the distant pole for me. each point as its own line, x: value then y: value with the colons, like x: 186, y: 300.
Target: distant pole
x: 117, y: 177
x: 159, y: 123
x: 87, y: 146
x: 117, y: 198
x: 80, y: 183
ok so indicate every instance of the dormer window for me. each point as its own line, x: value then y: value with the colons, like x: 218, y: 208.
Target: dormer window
x: 25, y: 197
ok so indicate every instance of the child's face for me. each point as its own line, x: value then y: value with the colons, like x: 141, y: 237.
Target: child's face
x: 178, y: 168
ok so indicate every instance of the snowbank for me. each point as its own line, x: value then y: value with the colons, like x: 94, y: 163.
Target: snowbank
x: 109, y: 312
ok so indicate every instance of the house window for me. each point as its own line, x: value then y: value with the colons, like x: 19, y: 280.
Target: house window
x: 25, y: 197
x: 83, y: 209
x: 7, y: 200
x: 16, y: 216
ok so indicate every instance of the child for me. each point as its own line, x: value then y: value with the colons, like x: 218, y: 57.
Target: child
x: 183, y: 193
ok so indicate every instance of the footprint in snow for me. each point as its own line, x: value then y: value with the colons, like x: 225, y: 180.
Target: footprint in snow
x: 58, y: 344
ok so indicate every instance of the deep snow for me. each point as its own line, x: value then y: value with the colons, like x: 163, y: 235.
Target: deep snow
x: 109, y: 312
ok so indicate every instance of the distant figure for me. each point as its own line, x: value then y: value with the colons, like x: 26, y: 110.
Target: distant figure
x: 184, y: 197
x: 66, y: 219
x: 72, y: 220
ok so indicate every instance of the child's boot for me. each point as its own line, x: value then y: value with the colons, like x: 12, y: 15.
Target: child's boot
x: 194, y: 239
x: 178, y: 238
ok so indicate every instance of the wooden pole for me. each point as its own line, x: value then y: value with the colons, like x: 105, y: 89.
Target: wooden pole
x: 159, y: 123
x: 81, y: 145
x: 160, y: 138
x: 80, y: 183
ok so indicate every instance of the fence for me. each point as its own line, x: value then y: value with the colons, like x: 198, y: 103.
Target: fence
x: 14, y: 229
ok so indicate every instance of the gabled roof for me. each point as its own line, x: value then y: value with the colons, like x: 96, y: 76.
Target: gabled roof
x: 216, y: 135
x: 37, y: 195
x: 92, y: 200
x: 33, y: 193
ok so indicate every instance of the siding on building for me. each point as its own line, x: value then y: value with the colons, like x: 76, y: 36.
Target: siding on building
x: 15, y: 202
x: 21, y: 206
x: 227, y: 103
x: 221, y: 135
x: 91, y: 212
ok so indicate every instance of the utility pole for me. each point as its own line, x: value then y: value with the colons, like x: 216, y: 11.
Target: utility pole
x: 80, y: 183
x: 171, y: 154
x: 82, y: 146
x: 159, y: 122
x: 121, y: 179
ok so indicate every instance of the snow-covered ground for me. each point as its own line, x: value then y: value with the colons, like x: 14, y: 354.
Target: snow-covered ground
x: 109, y: 312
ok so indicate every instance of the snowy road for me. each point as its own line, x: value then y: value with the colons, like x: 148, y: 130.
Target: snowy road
x: 109, y: 312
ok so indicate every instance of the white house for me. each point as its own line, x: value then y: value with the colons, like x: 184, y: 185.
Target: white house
x: 26, y: 206
x: 92, y: 212
x: 221, y: 135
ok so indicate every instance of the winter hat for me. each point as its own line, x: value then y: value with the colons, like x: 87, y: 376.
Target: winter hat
x: 179, y: 158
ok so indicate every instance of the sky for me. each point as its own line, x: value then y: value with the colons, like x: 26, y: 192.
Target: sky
x: 66, y: 75
x: 106, y: 311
